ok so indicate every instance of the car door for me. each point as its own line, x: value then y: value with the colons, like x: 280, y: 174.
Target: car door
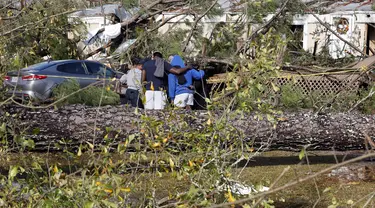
x: 75, y: 70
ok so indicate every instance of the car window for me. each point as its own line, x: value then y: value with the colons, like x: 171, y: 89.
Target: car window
x: 94, y: 68
x: 72, y: 68
x: 99, y: 69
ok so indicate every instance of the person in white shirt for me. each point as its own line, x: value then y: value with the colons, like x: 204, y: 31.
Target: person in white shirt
x: 134, y: 81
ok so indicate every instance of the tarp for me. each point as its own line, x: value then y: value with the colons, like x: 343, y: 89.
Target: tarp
x: 124, y: 46
x: 116, y: 9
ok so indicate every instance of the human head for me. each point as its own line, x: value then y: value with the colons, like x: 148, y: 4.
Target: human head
x: 157, y: 54
x: 170, y: 59
x: 137, y: 63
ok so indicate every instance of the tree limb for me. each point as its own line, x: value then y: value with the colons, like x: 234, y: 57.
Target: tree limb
x: 294, y: 183
x: 33, y: 23
x: 371, y: 93
x: 195, y: 25
x: 166, y: 21
x: 135, y: 19
x: 263, y: 29
x: 99, y: 49
x: 220, y: 61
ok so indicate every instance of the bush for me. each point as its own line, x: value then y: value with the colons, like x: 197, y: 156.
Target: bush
x: 367, y: 106
x: 292, y: 97
x: 90, y: 96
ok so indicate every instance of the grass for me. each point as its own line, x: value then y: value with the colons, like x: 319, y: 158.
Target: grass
x: 306, y: 194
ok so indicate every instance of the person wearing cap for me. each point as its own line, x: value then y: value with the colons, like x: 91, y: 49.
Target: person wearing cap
x: 133, y: 79
x: 155, y: 73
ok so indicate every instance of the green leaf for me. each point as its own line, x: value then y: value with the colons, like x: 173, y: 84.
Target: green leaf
x: 90, y: 145
x: 36, y: 131
x: 28, y: 143
x: 3, y: 128
x: 275, y: 88
x: 171, y: 163
x: 302, y: 154
x: 89, y: 204
x: 327, y: 189
x: 13, y: 171
x: 79, y: 151
x: 109, y: 204
x: 144, y: 157
x: 131, y: 138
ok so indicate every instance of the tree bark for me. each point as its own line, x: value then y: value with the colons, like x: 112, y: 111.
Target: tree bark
x: 75, y: 124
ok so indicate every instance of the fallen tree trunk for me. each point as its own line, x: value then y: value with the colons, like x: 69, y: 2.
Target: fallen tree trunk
x: 77, y: 124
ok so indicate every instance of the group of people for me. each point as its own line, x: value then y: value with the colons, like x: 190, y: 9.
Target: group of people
x: 158, y: 77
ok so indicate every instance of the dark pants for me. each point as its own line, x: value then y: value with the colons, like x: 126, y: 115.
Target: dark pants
x: 132, y: 98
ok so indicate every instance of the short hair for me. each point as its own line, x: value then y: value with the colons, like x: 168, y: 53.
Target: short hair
x: 157, y: 54
x: 136, y: 61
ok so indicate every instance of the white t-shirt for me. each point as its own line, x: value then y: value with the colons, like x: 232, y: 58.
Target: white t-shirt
x: 133, y: 79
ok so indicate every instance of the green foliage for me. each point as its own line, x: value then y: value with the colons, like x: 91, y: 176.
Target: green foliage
x: 260, y: 9
x: 47, y: 35
x: 368, y: 106
x: 251, y: 82
x: 292, y: 97
x: 223, y: 40
x: 92, y: 96
x: 130, y: 3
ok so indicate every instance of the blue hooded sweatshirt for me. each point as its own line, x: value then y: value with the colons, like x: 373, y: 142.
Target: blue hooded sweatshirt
x: 176, y: 89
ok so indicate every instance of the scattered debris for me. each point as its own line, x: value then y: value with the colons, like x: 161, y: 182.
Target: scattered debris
x: 353, y: 173
x: 241, y: 189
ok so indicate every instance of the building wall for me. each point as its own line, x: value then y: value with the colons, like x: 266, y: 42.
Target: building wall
x: 314, y: 32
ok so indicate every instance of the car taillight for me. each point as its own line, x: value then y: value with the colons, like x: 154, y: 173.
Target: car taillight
x: 33, y: 77
x: 7, y: 78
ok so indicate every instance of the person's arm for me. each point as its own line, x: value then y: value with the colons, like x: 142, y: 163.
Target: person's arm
x: 168, y: 67
x: 123, y: 79
x: 171, y: 86
x: 143, y: 75
x: 197, y: 74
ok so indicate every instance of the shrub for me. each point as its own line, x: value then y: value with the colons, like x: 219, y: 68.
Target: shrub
x: 292, y: 97
x: 367, y: 106
x: 92, y: 96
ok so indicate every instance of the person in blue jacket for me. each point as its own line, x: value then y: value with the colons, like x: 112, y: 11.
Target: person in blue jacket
x: 180, y: 87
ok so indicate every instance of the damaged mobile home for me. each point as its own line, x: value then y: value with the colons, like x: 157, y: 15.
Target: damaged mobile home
x: 353, y: 22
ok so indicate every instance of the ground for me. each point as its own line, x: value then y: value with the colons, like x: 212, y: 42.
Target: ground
x: 337, y: 190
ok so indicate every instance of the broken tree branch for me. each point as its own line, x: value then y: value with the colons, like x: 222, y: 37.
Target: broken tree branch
x: 294, y: 183
x: 135, y: 19
x: 263, y: 29
x: 371, y: 93
x: 140, y: 16
x: 99, y: 49
x: 33, y: 23
x: 328, y: 27
x: 220, y: 61
x: 196, y: 24
x: 166, y: 21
